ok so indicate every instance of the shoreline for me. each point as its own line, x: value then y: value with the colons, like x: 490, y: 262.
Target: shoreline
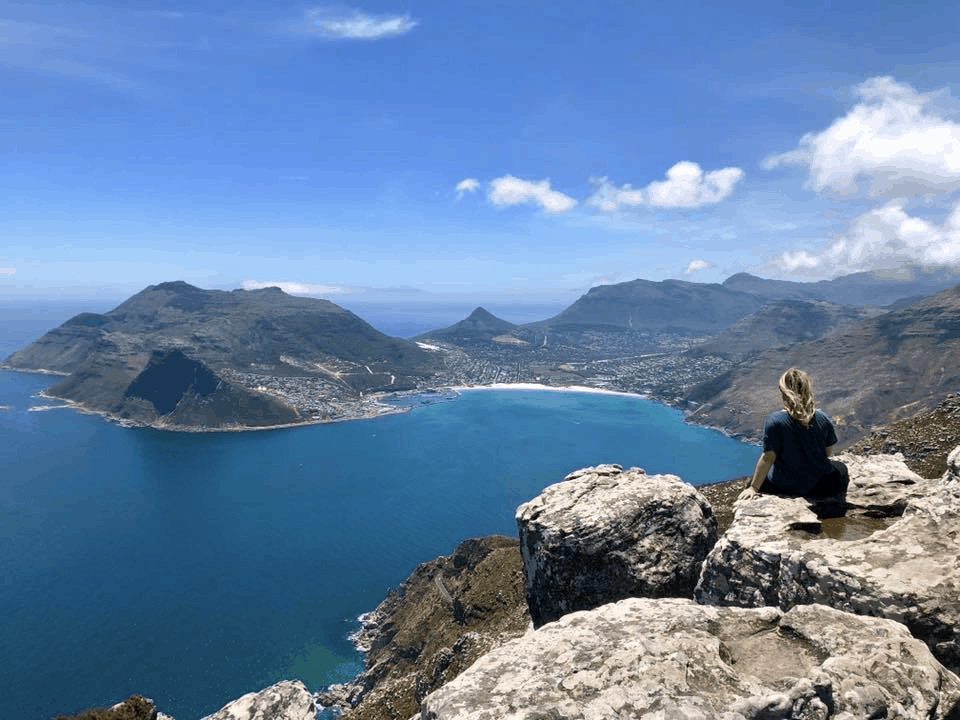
x: 382, y: 406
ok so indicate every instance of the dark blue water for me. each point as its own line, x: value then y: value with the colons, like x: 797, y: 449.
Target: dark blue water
x: 194, y: 568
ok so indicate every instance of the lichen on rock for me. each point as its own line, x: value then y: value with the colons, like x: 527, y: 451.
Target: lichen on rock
x: 905, y: 566
x: 672, y: 658
x: 605, y: 533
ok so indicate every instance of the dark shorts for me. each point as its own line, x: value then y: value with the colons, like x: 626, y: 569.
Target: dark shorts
x: 833, y: 484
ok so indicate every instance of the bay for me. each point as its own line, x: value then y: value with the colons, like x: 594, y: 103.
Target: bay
x: 196, y: 567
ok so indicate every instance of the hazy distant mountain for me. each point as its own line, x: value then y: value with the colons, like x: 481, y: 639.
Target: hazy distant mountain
x: 876, y: 371
x: 877, y: 287
x: 479, y: 325
x: 267, y: 332
x: 782, y: 323
x: 665, y: 306
x: 689, y: 308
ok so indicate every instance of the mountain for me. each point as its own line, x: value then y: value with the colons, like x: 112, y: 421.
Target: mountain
x: 175, y: 353
x: 673, y: 306
x: 688, y: 308
x: 782, y: 323
x: 877, y: 371
x: 480, y: 325
x: 877, y: 287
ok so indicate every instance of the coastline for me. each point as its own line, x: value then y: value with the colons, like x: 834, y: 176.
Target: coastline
x: 381, y: 405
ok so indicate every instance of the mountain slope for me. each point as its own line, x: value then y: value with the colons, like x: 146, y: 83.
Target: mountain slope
x: 238, y: 341
x: 666, y: 306
x: 876, y: 371
x: 785, y: 322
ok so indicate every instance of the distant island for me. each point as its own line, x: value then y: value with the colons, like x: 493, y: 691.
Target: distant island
x: 180, y: 357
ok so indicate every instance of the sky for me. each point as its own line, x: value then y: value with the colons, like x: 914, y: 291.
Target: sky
x: 430, y: 149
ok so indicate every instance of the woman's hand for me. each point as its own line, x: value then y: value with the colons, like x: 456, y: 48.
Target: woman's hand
x: 764, y: 463
x: 747, y: 494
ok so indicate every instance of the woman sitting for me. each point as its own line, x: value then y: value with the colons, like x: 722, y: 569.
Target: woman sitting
x: 797, y: 444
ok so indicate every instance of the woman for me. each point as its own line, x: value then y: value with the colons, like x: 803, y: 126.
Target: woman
x: 797, y: 444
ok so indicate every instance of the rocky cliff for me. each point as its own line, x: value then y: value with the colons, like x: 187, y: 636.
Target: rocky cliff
x: 796, y: 615
x: 449, y: 612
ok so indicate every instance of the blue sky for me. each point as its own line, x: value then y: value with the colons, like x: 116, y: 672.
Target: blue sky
x: 529, y: 149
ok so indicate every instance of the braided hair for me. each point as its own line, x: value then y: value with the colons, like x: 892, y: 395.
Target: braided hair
x: 796, y: 394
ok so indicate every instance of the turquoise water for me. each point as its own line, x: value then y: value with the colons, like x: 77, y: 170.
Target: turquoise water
x: 194, y: 568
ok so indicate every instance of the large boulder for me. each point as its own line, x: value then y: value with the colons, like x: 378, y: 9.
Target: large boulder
x: 896, y: 553
x: 286, y: 700
x: 671, y: 658
x: 605, y: 533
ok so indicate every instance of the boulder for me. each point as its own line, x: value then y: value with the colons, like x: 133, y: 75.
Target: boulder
x: 286, y: 700
x: 896, y: 553
x: 671, y: 658
x: 605, y: 533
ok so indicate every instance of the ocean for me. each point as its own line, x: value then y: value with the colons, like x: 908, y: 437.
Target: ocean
x: 196, y: 567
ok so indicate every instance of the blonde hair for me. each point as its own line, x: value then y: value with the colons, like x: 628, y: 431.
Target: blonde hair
x: 796, y: 393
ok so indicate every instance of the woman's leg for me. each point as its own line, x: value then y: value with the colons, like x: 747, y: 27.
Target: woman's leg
x: 832, y: 485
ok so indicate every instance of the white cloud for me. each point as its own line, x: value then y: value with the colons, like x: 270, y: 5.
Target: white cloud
x: 358, y: 25
x: 467, y: 185
x: 696, y: 265
x: 893, y: 143
x: 881, y: 238
x: 294, y: 288
x: 8, y: 271
x: 510, y: 190
x: 686, y: 186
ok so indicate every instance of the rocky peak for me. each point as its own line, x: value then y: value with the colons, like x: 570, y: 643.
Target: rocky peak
x: 175, y: 286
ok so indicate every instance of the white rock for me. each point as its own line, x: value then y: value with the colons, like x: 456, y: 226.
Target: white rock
x: 907, y: 567
x: 286, y: 700
x: 605, y: 533
x: 671, y: 658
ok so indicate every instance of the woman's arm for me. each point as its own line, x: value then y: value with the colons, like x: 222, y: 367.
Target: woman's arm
x: 764, y: 463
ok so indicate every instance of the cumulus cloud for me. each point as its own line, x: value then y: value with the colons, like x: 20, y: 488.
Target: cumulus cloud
x: 358, y: 25
x: 884, y: 237
x: 467, y: 185
x: 510, y: 190
x: 696, y: 265
x: 294, y: 288
x: 893, y: 143
x: 687, y: 185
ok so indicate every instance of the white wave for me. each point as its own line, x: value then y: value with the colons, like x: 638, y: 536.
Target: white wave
x: 41, y: 408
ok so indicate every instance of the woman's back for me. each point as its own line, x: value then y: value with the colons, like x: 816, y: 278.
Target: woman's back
x: 801, y: 450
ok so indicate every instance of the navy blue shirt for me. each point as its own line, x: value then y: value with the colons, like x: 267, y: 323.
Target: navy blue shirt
x: 801, y: 451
